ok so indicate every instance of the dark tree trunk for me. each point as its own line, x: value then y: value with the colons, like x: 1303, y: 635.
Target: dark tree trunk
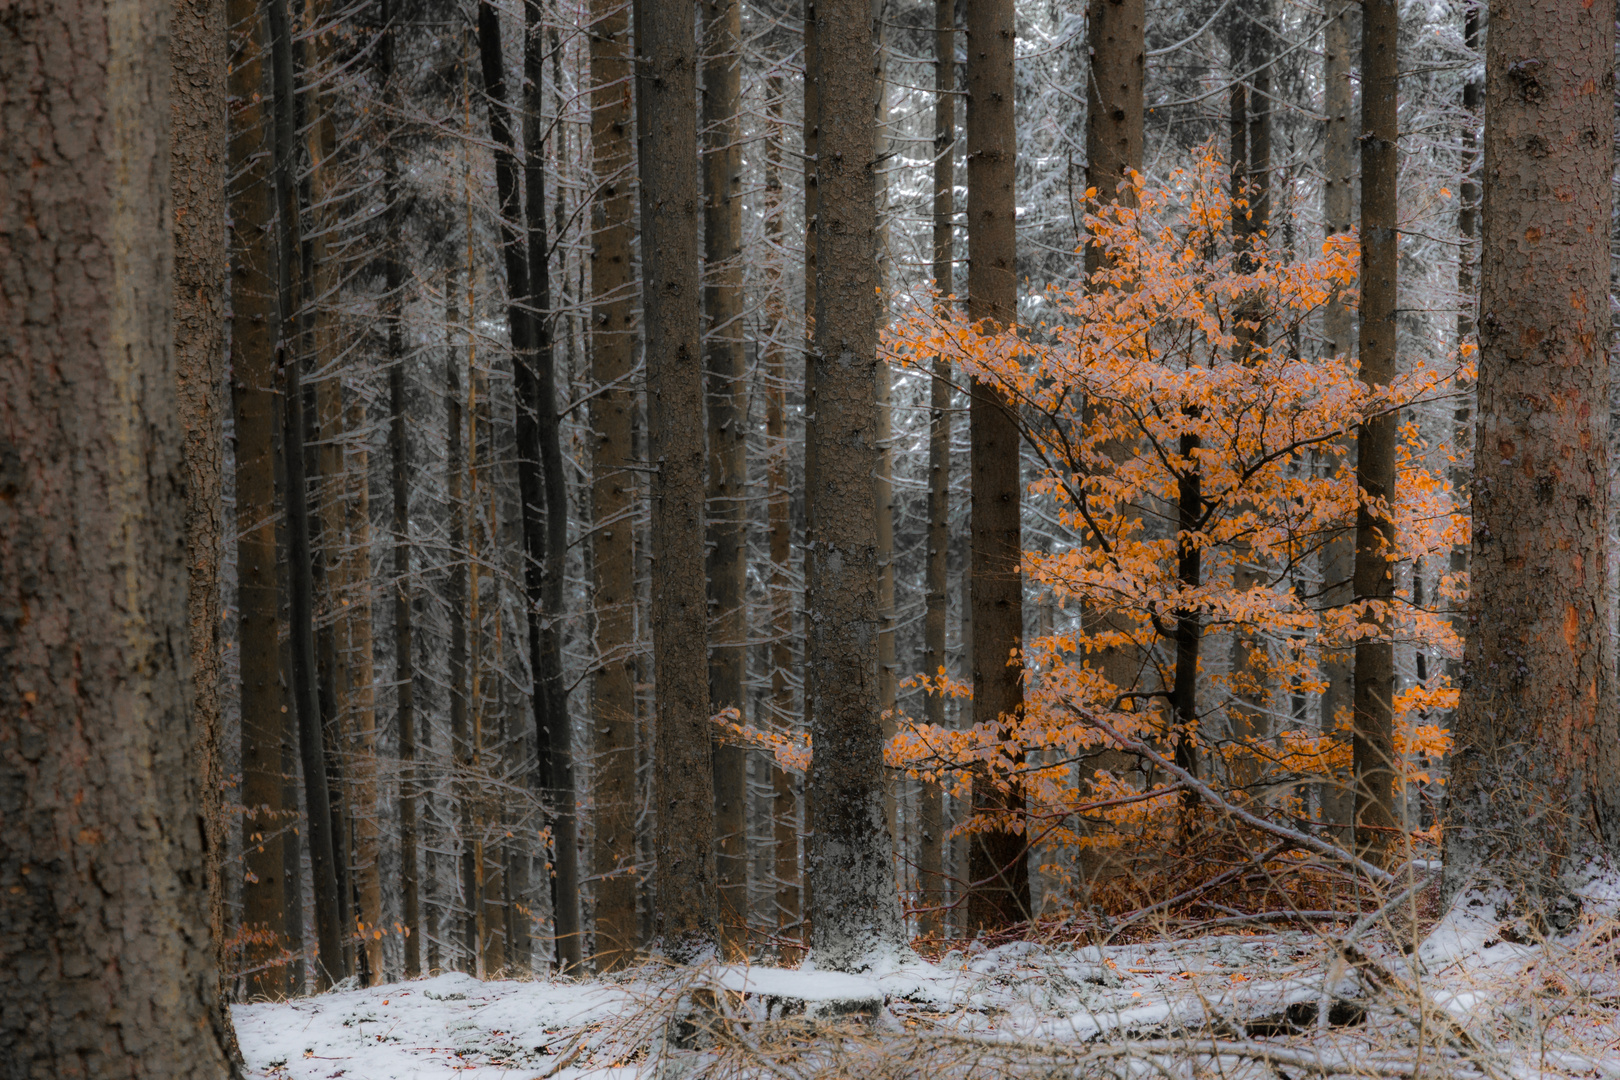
x: 1338, y: 558
x: 855, y: 917
x: 325, y: 857
x: 265, y: 884
x: 1534, y: 768
x: 553, y: 738
x: 399, y: 477
x: 612, y: 412
x: 997, y: 864
x: 1372, y: 740
x: 727, y: 394
x: 666, y: 86
x: 104, y: 929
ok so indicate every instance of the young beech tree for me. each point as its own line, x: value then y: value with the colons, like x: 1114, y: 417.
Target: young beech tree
x: 109, y: 967
x: 1534, y: 781
x: 1143, y: 357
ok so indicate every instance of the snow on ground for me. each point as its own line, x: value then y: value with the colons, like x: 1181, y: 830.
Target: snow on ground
x: 1241, y: 1002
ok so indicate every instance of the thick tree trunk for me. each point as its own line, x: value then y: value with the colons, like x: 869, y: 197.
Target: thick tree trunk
x: 812, y: 202
x: 1535, y: 768
x: 1114, y: 141
x: 931, y: 802
x: 253, y: 378
x: 856, y: 916
x: 1372, y: 740
x: 612, y: 412
x: 197, y: 180
x: 109, y: 967
x: 997, y: 865
x: 727, y: 392
x: 1338, y: 557
x: 552, y: 730
x: 666, y: 85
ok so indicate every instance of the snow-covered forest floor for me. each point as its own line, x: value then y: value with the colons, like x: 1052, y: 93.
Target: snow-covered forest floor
x: 1332, y: 1001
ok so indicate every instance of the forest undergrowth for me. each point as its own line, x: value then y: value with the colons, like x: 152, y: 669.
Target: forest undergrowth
x: 1399, y: 991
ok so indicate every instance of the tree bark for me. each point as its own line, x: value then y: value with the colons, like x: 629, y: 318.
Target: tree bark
x: 997, y: 866
x: 1338, y: 557
x: 253, y: 337
x: 727, y: 399
x: 197, y: 181
x: 324, y: 849
x: 784, y: 785
x: 936, y: 584
x: 553, y: 733
x: 110, y: 971
x: 612, y: 412
x: 856, y: 915
x: 1372, y: 739
x: 394, y: 252
x: 1534, y: 767
x: 666, y: 85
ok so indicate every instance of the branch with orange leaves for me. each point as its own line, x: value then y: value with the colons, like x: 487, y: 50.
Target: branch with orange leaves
x: 1213, y: 799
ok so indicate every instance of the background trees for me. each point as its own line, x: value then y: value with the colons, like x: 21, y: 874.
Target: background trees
x: 503, y: 543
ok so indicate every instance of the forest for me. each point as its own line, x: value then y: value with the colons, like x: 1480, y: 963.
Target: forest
x: 809, y: 538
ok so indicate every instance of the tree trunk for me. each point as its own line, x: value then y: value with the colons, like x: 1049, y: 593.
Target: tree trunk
x: 1535, y: 767
x: 612, y: 412
x: 399, y: 480
x: 936, y: 583
x: 253, y: 366
x: 1114, y: 141
x: 666, y: 85
x: 110, y: 971
x: 456, y: 600
x: 997, y: 866
x: 856, y: 917
x: 779, y: 512
x: 1468, y: 232
x: 552, y: 729
x: 1338, y: 557
x: 727, y: 393
x: 197, y: 74
x: 1372, y: 739
x: 812, y: 202
x: 324, y: 858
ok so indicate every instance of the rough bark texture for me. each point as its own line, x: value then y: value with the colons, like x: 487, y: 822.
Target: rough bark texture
x: 109, y: 969
x: 727, y: 391
x: 1372, y: 738
x: 1468, y: 232
x: 856, y: 914
x: 1338, y: 556
x: 1535, y: 730
x: 997, y: 866
x: 666, y: 86
x: 931, y: 801
x: 253, y: 394
x: 613, y: 345
x: 197, y: 71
